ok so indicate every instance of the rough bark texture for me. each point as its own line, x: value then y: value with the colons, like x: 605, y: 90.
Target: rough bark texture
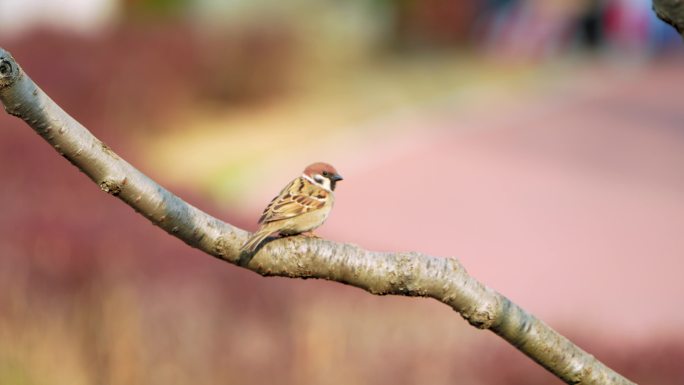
x: 381, y: 273
x: 671, y: 12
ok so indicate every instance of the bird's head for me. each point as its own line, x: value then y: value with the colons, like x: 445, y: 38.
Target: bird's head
x: 323, y: 175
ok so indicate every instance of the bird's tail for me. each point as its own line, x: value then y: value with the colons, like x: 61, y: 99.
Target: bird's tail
x: 255, y: 240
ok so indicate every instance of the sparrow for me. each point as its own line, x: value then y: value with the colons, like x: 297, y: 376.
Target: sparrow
x: 302, y: 206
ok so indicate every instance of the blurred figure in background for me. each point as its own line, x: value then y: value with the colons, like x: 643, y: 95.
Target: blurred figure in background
x: 631, y: 27
x: 529, y: 28
x: 590, y: 25
x: 543, y: 29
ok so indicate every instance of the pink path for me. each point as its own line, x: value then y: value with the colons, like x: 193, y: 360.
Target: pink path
x: 569, y: 201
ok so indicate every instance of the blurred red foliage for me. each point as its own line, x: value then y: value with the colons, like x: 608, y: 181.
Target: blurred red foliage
x: 143, y: 72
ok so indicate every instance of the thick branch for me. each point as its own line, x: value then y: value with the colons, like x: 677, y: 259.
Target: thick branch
x: 408, y: 274
x: 671, y: 12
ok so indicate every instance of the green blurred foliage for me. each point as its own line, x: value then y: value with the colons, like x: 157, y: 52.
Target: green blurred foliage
x: 155, y: 8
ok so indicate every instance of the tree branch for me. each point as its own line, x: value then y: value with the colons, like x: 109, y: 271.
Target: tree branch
x: 407, y: 274
x: 671, y: 12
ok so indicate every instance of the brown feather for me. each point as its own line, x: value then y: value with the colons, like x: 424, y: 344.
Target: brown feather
x: 297, y: 198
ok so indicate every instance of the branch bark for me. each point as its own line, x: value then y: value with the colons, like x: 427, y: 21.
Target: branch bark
x: 380, y: 273
x: 671, y: 12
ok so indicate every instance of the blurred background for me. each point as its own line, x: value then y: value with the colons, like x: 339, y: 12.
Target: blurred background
x: 539, y: 142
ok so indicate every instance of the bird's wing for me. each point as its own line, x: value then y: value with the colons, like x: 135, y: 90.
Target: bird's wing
x: 297, y: 198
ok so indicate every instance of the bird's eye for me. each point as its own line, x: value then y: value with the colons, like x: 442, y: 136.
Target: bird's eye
x: 325, y: 173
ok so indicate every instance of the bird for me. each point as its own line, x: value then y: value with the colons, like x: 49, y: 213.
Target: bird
x: 302, y: 206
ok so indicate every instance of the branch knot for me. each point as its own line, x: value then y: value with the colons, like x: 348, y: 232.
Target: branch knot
x: 111, y: 186
x: 9, y: 69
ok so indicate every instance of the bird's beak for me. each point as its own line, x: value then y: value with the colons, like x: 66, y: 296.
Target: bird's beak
x: 333, y: 180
